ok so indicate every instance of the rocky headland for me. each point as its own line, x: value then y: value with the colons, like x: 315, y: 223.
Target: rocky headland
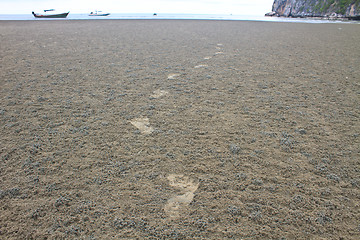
x: 328, y: 9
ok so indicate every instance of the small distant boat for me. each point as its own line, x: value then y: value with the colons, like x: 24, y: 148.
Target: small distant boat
x: 50, y: 15
x: 99, y: 14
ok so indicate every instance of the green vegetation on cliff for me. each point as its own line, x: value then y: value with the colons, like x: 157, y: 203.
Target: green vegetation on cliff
x: 317, y: 8
x: 344, y: 4
x: 339, y: 6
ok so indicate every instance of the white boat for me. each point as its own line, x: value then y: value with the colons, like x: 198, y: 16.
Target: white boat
x: 98, y: 13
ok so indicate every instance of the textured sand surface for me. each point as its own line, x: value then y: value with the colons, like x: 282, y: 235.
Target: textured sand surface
x: 147, y: 129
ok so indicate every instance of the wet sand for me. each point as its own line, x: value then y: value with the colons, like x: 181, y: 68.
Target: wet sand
x: 179, y: 129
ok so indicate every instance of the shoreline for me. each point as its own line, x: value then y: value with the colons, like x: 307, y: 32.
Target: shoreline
x: 223, y: 17
x: 320, y: 17
x: 356, y: 18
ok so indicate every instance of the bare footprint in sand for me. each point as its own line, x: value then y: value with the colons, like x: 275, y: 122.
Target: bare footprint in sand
x: 158, y: 93
x: 201, y: 66
x: 173, y: 75
x: 176, y: 204
x: 143, y: 125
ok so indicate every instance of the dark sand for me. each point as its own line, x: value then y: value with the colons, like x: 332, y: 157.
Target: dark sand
x: 182, y: 129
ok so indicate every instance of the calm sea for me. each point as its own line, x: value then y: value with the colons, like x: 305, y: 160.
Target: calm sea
x: 173, y: 16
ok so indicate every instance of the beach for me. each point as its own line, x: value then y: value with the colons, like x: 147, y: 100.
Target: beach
x: 179, y: 129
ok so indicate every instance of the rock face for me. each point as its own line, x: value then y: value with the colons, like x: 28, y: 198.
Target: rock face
x: 317, y: 8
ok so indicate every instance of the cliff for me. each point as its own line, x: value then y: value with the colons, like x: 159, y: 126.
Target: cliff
x: 349, y: 9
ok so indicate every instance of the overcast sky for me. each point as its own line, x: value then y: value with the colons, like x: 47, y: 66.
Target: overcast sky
x: 242, y: 7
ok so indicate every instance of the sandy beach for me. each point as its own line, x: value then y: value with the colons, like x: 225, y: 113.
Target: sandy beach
x: 179, y: 129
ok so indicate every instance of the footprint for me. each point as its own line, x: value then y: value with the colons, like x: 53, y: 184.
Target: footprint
x: 173, y: 76
x: 177, y: 204
x: 158, y: 93
x: 200, y: 66
x: 143, y: 125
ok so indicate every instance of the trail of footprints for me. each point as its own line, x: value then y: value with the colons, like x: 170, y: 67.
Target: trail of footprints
x: 143, y: 124
x: 186, y: 185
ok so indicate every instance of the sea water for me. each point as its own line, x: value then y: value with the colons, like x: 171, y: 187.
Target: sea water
x: 77, y: 16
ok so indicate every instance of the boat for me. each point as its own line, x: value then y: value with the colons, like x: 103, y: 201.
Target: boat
x: 98, y: 14
x: 50, y: 15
